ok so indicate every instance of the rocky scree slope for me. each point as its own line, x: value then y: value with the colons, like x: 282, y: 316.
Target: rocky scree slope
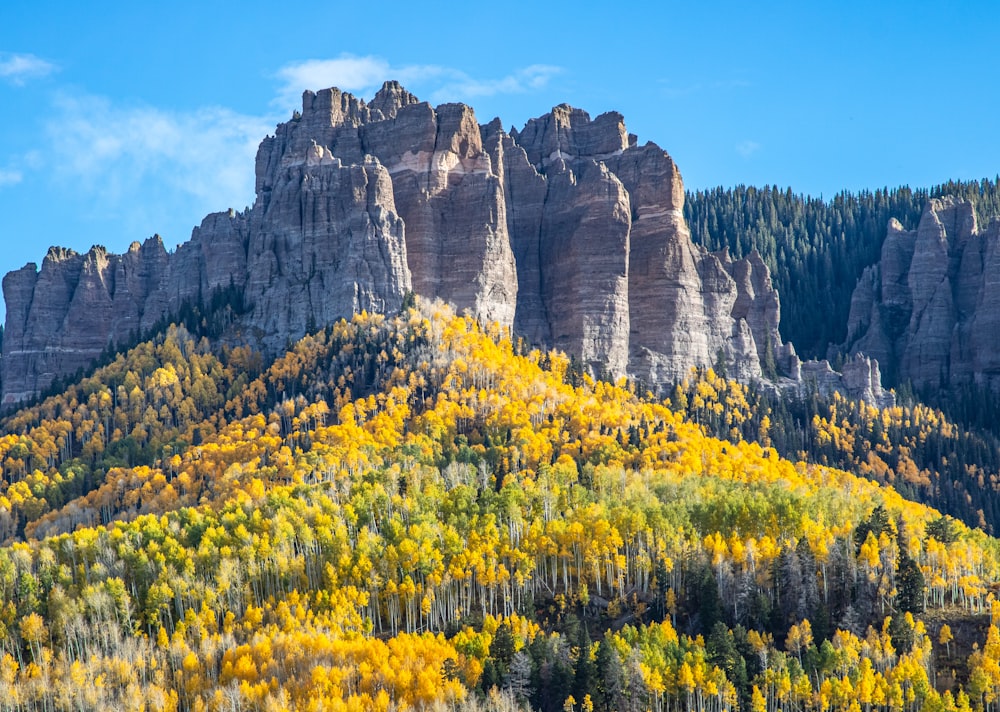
x: 567, y: 231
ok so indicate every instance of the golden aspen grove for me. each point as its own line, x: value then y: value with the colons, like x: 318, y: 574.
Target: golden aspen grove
x: 418, y: 512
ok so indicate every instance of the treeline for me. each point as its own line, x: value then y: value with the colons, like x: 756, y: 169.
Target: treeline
x: 816, y: 249
x: 200, y: 318
x: 145, y: 405
x: 406, y: 512
x: 984, y: 194
x: 916, y: 449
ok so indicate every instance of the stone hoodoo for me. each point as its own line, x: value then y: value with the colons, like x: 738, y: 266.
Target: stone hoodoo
x: 567, y: 231
x: 929, y: 310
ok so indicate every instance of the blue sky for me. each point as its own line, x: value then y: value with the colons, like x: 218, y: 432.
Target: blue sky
x: 124, y: 119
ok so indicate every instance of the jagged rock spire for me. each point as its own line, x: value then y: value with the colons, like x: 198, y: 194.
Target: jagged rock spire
x: 566, y: 231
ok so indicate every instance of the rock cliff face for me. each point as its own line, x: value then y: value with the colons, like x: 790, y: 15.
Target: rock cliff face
x: 929, y: 310
x: 322, y: 241
x: 567, y: 231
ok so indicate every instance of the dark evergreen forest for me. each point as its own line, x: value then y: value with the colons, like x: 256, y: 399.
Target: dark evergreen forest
x: 816, y: 249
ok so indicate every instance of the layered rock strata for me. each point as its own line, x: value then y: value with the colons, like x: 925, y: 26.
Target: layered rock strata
x: 929, y: 310
x: 566, y: 231
x: 324, y: 241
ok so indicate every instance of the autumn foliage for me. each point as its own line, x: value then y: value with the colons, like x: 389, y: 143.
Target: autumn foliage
x: 418, y: 512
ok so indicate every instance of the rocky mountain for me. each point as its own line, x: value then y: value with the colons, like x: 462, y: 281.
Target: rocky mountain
x: 929, y: 310
x: 566, y: 231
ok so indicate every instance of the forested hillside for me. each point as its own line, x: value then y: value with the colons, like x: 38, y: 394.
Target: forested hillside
x: 409, y: 512
x: 916, y: 449
x: 816, y: 249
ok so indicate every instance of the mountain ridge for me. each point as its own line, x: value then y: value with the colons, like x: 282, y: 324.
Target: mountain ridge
x: 566, y: 231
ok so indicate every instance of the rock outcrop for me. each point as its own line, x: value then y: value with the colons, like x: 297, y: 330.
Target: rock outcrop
x: 929, y: 310
x: 322, y: 242
x: 859, y: 379
x: 566, y: 231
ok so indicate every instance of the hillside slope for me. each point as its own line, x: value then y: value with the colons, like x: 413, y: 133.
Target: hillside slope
x: 406, y: 511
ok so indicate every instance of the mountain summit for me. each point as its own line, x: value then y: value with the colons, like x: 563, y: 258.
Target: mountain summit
x: 566, y: 231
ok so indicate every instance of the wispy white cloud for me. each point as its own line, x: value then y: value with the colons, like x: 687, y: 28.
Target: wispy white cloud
x: 9, y: 177
x: 361, y: 75
x: 747, y: 148
x: 364, y: 75
x: 19, y: 68
x: 145, y: 166
x: 131, y: 157
x: 460, y: 86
